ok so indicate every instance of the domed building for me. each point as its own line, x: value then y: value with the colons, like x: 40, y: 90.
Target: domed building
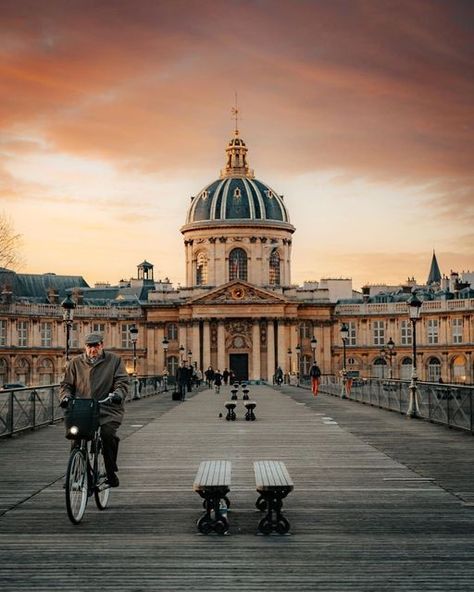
x: 238, y: 309
x: 237, y: 228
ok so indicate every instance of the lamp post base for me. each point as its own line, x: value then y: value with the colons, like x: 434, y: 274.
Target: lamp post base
x: 413, y: 409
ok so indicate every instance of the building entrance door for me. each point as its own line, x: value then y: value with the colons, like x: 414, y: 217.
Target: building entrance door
x: 239, y: 364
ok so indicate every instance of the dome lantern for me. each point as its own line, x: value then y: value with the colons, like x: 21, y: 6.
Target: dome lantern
x: 236, y: 161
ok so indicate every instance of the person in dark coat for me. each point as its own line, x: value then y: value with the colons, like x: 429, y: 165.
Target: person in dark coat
x: 209, y: 374
x: 182, y: 375
x: 217, y: 381
x: 94, y: 375
x: 225, y: 376
x: 315, y: 374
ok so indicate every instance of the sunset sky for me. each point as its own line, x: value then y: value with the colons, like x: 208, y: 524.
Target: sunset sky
x: 360, y: 112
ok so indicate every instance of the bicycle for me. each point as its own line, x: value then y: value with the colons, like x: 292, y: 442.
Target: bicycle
x: 86, y: 474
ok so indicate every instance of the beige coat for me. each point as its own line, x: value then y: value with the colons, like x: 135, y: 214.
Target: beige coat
x: 85, y: 381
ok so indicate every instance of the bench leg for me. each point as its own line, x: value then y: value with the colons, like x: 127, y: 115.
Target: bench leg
x: 213, y: 519
x: 274, y: 521
x: 250, y: 415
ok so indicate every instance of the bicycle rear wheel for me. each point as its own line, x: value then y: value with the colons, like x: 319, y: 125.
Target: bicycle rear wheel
x: 77, y: 482
x: 101, y: 489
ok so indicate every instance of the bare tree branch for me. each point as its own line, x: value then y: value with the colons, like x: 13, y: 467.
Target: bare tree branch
x: 10, y: 245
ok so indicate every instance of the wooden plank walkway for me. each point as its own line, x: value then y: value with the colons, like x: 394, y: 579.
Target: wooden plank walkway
x: 380, y: 502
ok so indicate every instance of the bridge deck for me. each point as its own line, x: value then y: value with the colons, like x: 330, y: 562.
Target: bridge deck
x: 380, y: 502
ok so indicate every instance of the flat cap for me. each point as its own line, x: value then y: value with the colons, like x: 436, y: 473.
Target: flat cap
x: 93, y: 338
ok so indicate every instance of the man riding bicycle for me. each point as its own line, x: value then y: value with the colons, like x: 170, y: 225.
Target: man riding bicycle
x: 93, y: 375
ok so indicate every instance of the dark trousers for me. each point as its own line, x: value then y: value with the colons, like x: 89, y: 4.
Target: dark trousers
x: 182, y: 390
x: 110, y: 443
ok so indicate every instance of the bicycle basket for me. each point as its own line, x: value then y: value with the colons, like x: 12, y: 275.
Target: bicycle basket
x: 81, y: 419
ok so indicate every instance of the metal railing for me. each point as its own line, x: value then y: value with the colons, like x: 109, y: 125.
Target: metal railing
x: 447, y: 404
x: 27, y: 408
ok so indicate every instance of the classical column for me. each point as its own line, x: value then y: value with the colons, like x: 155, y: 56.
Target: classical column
x: 206, y: 354
x: 195, y: 343
x: 256, y: 351
x: 221, y: 353
x: 270, y: 351
x: 282, y: 347
x: 182, y: 334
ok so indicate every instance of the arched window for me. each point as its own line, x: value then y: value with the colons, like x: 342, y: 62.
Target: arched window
x: 406, y: 369
x: 3, y: 371
x: 434, y: 370
x: 274, y: 276
x: 46, y: 371
x: 201, y: 270
x: 238, y: 265
x: 22, y: 371
x: 459, y: 369
x: 173, y: 363
x: 172, y: 331
x: 306, y: 362
x: 379, y: 368
x: 305, y: 330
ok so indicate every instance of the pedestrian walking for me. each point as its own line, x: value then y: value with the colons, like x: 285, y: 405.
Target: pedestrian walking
x: 217, y: 381
x: 315, y: 374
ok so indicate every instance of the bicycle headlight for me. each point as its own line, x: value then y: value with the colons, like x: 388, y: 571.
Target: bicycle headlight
x: 74, y: 430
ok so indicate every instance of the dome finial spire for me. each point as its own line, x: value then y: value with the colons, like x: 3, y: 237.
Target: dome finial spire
x: 235, y: 115
x: 236, y: 152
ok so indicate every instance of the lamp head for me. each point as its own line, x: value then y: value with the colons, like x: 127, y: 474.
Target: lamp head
x: 68, y: 305
x: 133, y: 333
x: 414, y: 304
x: 344, y: 331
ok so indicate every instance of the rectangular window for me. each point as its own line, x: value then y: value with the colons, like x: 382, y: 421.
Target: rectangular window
x: 98, y: 328
x: 22, y: 333
x: 74, y: 337
x: 456, y: 328
x: 352, y: 333
x: 3, y: 332
x: 432, y: 329
x: 405, y: 333
x: 379, y: 332
x: 126, y: 340
x: 46, y: 334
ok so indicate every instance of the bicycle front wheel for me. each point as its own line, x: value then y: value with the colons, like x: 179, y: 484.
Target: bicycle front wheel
x: 101, y: 489
x: 77, y: 482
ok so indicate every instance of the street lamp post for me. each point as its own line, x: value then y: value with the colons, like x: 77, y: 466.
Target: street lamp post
x: 344, y: 336
x: 68, y: 306
x: 414, y: 305
x: 390, y: 354
x: 314, y: 343
x: 298, y: 362
x: 134, y: 337
x: 165, y: 343
x: 290, y: 353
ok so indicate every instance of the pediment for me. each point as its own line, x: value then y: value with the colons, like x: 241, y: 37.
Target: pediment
x: 239, y: 292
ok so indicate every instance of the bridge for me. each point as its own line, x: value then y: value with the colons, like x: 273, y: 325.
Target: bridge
x: 381, y: 502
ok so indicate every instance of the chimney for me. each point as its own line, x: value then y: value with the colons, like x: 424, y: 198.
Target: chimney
x: 53, y: 296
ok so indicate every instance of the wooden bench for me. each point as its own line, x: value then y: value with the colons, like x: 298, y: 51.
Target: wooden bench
x: 212, y: 483
x: 273, y: 483
x: 250, y: 407
x: 230, y: 406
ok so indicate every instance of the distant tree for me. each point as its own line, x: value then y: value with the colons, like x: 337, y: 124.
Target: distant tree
x: 10, y: 244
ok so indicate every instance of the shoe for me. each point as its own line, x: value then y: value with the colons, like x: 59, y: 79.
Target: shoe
x: 112, y: 481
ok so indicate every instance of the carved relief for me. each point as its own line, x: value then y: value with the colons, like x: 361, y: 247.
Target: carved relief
x: 238, y: 327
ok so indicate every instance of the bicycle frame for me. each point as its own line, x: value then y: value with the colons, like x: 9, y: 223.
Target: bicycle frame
x: 86, y: 476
